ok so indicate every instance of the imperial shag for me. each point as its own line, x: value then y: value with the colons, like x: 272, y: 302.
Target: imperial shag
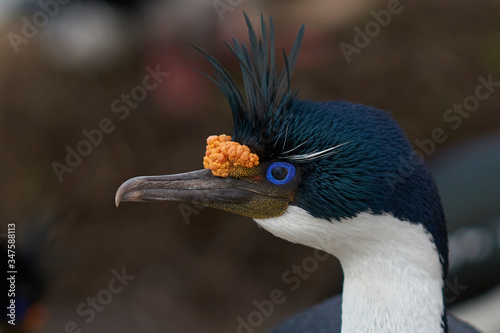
x: 326, y: 175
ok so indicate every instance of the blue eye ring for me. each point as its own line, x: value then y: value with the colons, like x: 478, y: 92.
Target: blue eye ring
x: 290, y: 168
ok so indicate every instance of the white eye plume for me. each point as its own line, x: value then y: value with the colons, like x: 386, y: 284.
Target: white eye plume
x: 313, y: 155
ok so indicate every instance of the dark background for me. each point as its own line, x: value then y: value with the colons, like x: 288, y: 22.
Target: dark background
x: 201, y: 273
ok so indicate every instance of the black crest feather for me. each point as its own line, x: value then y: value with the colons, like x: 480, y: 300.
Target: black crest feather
x: 266, y: 95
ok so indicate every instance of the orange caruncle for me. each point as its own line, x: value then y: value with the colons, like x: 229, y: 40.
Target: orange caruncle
x: 223, y: 154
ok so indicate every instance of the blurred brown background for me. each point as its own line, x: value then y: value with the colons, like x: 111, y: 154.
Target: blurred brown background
x: 201, y: 273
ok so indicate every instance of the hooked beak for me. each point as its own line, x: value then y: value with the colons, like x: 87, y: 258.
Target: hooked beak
x: 231, y: 194
x: 196, y: 186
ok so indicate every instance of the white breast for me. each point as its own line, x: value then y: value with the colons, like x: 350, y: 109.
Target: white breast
x: 392, y: 273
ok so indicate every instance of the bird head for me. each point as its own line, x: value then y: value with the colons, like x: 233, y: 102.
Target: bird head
x: 248, y: 173
x: 333, y: 160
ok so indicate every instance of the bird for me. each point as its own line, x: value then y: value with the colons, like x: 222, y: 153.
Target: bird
x: 326, y: 175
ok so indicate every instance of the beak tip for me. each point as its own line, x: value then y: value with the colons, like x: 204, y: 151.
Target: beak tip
x: 128, y: 190
x: 118, y: 196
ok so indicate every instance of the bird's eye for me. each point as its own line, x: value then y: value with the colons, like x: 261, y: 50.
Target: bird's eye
x: 280, y: 173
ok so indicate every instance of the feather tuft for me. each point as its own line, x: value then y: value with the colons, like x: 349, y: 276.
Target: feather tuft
x: 266, y: 95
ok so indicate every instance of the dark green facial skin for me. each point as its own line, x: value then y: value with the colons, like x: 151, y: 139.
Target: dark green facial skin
x: 246, y: 191
x: 260, y: 208
x: 273, y: 204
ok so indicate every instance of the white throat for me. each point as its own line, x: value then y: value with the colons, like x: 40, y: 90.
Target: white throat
x: 392, y: 273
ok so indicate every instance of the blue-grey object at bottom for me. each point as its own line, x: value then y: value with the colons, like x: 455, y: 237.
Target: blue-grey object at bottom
x: 325, y: 318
